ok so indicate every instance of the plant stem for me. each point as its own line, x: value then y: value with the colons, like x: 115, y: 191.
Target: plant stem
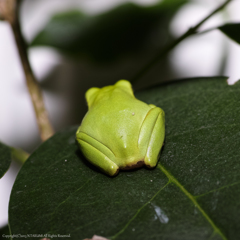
x: 189, y: 32
x: 19, y: 155
x: 9, y: 10
x: 208, y: 30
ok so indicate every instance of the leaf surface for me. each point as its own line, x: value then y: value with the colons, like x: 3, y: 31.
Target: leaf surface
x: 193, y: 193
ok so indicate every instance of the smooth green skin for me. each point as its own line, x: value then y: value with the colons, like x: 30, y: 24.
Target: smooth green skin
x: 119, y: 131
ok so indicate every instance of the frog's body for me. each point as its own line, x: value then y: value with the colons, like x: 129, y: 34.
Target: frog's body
x: 120, y: 131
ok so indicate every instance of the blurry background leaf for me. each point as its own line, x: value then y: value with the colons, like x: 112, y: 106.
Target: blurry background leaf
x: 5, y: 158
x: 107, y: 47
x: 232, y: 30
x: 108, y: 36
x: 193, y: 193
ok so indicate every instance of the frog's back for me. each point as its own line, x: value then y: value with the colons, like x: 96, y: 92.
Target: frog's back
x: 115, y: 120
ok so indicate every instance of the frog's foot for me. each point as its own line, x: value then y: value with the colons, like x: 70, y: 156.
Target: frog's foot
x: 97, y: 153
x: 152, y: 135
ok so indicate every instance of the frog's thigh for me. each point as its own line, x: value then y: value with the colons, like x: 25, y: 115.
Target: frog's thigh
x: 97, y: 153
x: 152, y: 135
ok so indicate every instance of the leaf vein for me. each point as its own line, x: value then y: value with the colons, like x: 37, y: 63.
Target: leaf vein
x: 218, y: 189
x: 70, y: 196
x: 138, y: 211
x: 191, y: 198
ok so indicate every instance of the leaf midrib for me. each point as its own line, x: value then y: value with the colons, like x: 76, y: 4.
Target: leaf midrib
x: 172, y: 179
x: 192, y: 198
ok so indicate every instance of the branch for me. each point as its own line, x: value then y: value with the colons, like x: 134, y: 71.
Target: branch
x: 188, y: 33
x: 208, y: 30
x: 9, y: 11
x: 19, y: 155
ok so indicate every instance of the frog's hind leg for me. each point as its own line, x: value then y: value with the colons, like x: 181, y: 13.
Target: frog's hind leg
x: 152, y: 135
x: 97, y: 153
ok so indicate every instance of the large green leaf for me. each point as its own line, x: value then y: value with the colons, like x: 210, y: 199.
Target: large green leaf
x: 5, y: 158
x: 107, y: 36
x: 232, y: 30
x: 193, y: 193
